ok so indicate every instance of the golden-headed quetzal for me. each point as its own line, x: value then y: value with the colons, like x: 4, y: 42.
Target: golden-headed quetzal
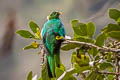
x: 52, y: 35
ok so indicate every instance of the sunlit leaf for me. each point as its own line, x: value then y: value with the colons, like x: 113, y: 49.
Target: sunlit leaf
x: 37, y: 34
x: 79, y: 28
x: 29, y: 77
x: 100, y: 39
x: 28, y: 47
x: 90, y: 29
x: 33, y: 26
x: 80, y: 59
x: 105, y: 65
x: 33, y: 45
x: 25, y: 34
x: 114, y: 34
x: 118, y: 20
x: 93, y: 51
x: 59, y: 72
x: 114, y: 14
x: 73, y: 57
x: 79, y: 69
x: 111, y: 27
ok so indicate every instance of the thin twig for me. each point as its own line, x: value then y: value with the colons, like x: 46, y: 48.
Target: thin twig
x: 105, y: 49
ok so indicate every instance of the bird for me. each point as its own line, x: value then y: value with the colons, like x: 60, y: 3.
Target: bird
x: 52, y: 36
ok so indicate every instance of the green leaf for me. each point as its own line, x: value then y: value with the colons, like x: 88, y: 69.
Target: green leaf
x: 110, y: 77
x: 73, y: 57
x: 33, y: 26
x: 83, y: 60
x: 114, y: 14
x: 90, y: 29
x: 105, y: 65
x: 111, y: 27
x: 40, y: 78
x: 83, y: 29
x: 29, y: 77
x: 70, y: 46
x: 33, y: 45
x: 59, y: 72
x: 28, y: 47
x: 91, y: 76
x: 118, y: 20
x: 79, y: 69
x: 83, y: 39
x: 114, y: 34
x: 80, y: 59
x: 79, y: 28
x: 25, y: 34
x: 44, y: 72
x: 108, y: 56
x: 100, y: 77
x: 99, y: 42
x: 93, y: 51
x: 100, y: 39
x: 69, y: 76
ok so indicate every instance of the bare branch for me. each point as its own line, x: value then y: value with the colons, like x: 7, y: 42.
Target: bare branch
x: 105, y: 49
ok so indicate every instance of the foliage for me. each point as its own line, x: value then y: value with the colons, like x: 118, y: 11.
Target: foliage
x: 88, y: 62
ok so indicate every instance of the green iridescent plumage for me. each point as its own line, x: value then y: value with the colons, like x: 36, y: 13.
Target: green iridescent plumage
x: 52, y: 29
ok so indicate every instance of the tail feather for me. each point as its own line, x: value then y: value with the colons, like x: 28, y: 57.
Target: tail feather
x: 53, y: 62
x: 49, y: 70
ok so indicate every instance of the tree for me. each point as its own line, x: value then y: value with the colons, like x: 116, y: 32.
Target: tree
x: 92, y: 58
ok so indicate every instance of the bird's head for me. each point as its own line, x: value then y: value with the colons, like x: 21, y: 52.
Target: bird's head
x: 54, y: 15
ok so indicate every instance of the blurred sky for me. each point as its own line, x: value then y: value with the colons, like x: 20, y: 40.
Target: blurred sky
x: 18, y: 63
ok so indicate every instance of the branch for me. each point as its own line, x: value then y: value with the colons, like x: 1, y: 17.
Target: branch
x: 105, y: 49
x: 99, y: 72
x: 111, y: 73
x: 63, y: 75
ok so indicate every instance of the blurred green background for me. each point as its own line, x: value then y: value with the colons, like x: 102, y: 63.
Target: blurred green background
x: 15, y: 63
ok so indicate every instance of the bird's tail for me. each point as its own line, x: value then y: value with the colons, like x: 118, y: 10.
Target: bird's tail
x: 53, y: 62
